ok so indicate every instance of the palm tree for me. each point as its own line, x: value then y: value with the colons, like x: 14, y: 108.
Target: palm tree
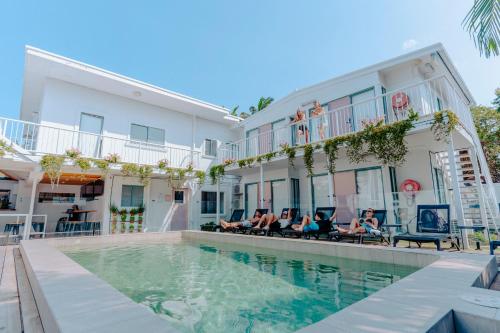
x: 261, y: 105
x: 234, y: 110
x: 483, y: 24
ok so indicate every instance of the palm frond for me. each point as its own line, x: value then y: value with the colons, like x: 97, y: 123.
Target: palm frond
x: 483, y: 24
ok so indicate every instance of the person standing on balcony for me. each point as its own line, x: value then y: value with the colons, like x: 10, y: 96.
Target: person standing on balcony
x: 302, y: 130
x: 319, y: 119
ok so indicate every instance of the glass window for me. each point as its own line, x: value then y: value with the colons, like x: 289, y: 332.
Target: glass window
x: 147, y: 134
x: 320, y: 191
x: 210, y: 147
x: 209, y: 202
x: 179, y: 197
x: 56, y: 197
x: 132, y: 195
x: 370, y: 188
x: 251, y: 199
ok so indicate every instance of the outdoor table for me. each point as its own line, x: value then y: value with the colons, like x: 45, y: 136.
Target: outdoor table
x: 474, y: 228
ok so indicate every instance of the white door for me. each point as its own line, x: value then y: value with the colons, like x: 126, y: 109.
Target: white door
x: 279, y: 196
x: 251, y: 199
x: 320, y: 191
x: 89, y: 143
x: 160, y: 202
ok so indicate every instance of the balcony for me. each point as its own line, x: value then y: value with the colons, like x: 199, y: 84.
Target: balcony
x: 37, y: 139
x: 425, y: 97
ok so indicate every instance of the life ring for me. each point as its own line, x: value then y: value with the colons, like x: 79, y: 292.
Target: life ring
x: 410, y: 187
x: 400, y: 101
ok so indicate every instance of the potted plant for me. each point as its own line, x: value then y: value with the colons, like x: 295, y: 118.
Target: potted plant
x: 114, y: 214
x: 123, y: 217
x: 131, y: 223
x: 140, y: 213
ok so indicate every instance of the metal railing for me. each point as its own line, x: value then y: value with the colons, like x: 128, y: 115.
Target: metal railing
x: 425, y: 98
x: 40, y: 139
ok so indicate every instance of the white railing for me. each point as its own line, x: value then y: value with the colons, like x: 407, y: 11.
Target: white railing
x: 425, y: 97
x: 39, y: 139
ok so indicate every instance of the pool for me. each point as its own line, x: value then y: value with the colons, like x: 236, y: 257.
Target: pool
x: 202, y: 286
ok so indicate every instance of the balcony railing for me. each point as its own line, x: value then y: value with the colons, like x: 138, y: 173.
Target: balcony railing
x: 38, y: 139
x: 425, y: 97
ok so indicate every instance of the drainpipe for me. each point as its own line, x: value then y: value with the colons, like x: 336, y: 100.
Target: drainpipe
x: 217, y: 201
x: 261, y: 199
x: 193, y: 140
x: 330, y: 189
x: 107, y: 199
x: 459, y: 211
x: 35, y: 177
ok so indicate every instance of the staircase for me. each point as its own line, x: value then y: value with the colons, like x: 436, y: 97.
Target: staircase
x: 471, y: 194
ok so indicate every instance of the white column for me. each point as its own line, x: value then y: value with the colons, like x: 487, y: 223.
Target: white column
x: 193, y: 140
x: 35, y: 178
x: 107, y: 200
x: 459, y: 211
x: 217, y: 205
x: 310, y: 197
x: 330, y: 189
x: 261, y: 199
x: 477, y: 177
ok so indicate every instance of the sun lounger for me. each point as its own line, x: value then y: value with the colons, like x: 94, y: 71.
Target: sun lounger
x: 276, y: 226
x: 236, y: 216
x: 325, y: 225
x: 246, y: 229
x: 380, y: 214
x: 433, y: 226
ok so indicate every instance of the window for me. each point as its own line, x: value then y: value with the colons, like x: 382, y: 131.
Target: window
x: 210, y: 147
x: 209, y: 202
x: 56, y: 197
x: 147, y: 134
x: 179, y: 197
x: 132, y: 195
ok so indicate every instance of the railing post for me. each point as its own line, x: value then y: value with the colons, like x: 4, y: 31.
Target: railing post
x: 139, y: 153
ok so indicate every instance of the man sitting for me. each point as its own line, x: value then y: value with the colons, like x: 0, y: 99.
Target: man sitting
x: 245, y: 224
x: 368, y: 225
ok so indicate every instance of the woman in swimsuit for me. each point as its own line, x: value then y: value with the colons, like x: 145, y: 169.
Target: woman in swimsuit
x: 266, y: 220
x: 319, y: 119
x: 362, y: 226
x: 300, y: 118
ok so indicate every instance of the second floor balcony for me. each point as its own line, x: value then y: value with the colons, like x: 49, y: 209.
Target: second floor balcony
x: 335, y: 119
x: 38, y: 139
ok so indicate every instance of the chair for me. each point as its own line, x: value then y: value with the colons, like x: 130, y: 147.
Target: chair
x: 276, y: 226
x: 325, y: 225
x: 262, y: 211
x: 379, y: 214
x: 236, y: 216
x: 433, y: 226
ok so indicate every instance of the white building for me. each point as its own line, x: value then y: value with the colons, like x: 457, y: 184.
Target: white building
x: 70, y: 105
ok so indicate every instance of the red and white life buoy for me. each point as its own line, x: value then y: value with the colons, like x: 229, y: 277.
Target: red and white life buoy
x: 410, y: 187
x: 400, y: 101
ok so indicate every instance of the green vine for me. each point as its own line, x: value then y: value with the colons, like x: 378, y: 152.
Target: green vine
x: 145, y: 172
x: 5, y: 148
x: 83, y: 163
x: 216, y: 172
x: 269, y: 156
x: 102, y: 165
x: 331, y: 148
x: 308, y: 159
x: 290, y: 152
x: 129, y: 169
x: 162, y: 164
x: 73, y: 153
x: 52, y: 166
x: 443, y: 124
x: 201, y: 176
x: 355, y: 148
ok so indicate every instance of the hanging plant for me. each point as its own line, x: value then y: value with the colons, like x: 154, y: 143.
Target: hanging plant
x: 52, y: 166
x: 331, y: 148
x: 308, y: 159
x: 201, y: 176
x: 290, y: 152
x: 162, y: 164
x: 443, y: 124
x: 129, y: 170
x: 176, y: 177
x: 145, y: 172
x: 189, y: 169
x: 83, y: 163
x: 5, y: 148
x: 216, y: 172
x: 228, y: 162
x: 269, y: 156
x: 112, y: 158
x: 73, y: 153
x: 355, y: 148
x: 246, y: 162
x: 102, y: 165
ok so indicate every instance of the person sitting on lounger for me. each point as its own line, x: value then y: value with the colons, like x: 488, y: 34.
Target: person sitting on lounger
x: 266, y: 220
x: 308, y: 224
x: 246, y: 223
x: 368, y: 225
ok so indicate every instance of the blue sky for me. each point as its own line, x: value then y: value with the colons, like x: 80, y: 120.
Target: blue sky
x: 232, y: 52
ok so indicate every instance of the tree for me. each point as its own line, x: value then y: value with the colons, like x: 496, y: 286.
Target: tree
x: 483, y: 24
x: 261, y: 105
x: 487, y: 122
x: 234, y: 110
x: 496, y: 101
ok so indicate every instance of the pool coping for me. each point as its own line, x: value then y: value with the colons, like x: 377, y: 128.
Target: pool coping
x: 429, y: 300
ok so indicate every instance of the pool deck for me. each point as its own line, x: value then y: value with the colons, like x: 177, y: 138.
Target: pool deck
x: 433, y: 299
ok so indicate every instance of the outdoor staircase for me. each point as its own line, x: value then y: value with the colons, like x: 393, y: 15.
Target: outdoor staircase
x: 471, y: 194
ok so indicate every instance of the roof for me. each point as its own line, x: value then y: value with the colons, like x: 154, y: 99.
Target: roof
x: 438, y: 48
x: 40, y: 65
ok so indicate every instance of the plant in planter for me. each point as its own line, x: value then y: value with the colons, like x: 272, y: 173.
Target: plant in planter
x: 52, y: 166
x: 269, y: 156
x: 331, y: 148
x: 201, y: 176
x: 112, y: 158
x: 308, y: 159
x: 289, y: 151
x: 5, y: 148
x: 123, y: 219
x: 145, y: 172
x: 102, y: 165
x: 73, y: 153
x: 83, y: 163
x: 140, y: 213
x: 129, y: 169
x: 443, y: 124
x: 228, y: 162
x: 114, y: 217
x: 216, y: 172
x: 131, y: 222
x: 162, y: 164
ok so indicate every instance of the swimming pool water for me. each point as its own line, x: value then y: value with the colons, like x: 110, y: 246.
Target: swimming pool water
x: 211, y: 287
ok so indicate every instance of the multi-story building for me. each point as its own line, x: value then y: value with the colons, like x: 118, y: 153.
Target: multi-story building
x: 69, y: 105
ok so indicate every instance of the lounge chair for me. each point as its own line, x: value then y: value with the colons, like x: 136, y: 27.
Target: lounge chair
x: 431, y: 227
x: 276, y: 226
x: 380, y: 214
x: 236, y: 216
x: 325, y: 225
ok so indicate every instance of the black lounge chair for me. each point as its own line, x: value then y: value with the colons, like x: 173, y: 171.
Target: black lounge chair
x: 431, y: 227
x: 236, y: 216
x: 276, y: 226
x: 325, y: 225
x: 380, y: 214
x: 262, y: 211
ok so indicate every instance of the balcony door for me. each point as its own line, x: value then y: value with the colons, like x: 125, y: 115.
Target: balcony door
x: 89, y: 143
x: 340, y: 116
x: 345, y: 194
x: 364, y: 108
